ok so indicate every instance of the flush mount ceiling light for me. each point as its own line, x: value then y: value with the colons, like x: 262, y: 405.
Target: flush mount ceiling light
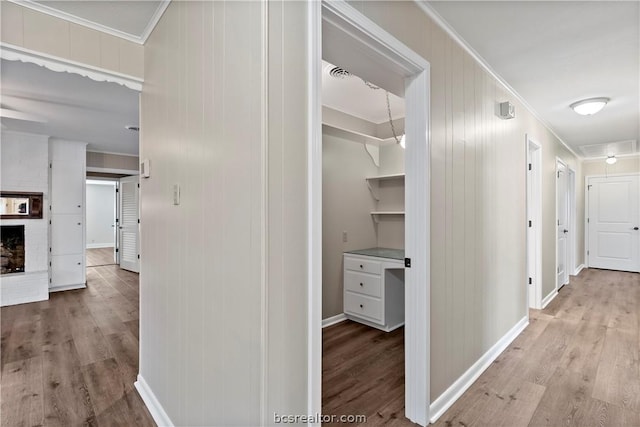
x: 588, y: 107
x: 611, y: 160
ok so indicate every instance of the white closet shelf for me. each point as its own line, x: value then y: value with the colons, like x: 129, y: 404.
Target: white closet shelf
x: 377, y: 214
x: 385, y: 177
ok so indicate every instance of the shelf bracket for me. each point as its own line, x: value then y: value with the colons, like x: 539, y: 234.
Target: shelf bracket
x: 372, y: 191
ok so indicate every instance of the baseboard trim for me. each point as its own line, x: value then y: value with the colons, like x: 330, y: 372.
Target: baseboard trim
x: 579, y: 269
x: 155, y: 408
x: 546, y: 300
x: 67, y: 287
x: 99, y: 245
x: 333, y: 320
x: 453, y: 393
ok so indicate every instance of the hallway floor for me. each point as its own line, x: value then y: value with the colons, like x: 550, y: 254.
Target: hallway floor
x: 576, y: 364
x: 100, y: 256
x: 72, y: 360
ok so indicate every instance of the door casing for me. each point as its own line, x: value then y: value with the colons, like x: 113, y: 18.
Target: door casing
x: 363, y: 43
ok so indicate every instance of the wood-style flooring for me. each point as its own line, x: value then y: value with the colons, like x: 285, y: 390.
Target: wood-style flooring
x: 576, y: 364
x: 100, y: 256
x: 72, y: 360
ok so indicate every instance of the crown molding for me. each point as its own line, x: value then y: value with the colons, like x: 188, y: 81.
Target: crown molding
x: 54, y: 63
x: 442, y: 23
x: 164, y: 4
x: 135, y: 38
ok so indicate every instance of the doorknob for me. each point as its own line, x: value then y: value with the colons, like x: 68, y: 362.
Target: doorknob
x: 565, y: 231
x: 635, y: 228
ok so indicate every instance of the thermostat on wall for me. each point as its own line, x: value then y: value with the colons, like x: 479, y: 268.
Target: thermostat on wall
x: 507, y: 110
x: 144, y: 168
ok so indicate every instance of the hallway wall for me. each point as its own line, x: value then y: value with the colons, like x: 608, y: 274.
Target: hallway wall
x: 478, y: 228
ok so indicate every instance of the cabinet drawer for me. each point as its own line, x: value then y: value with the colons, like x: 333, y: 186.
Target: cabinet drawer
x: 363, y: 306
x: 358, y: 264
x: 363, y: 283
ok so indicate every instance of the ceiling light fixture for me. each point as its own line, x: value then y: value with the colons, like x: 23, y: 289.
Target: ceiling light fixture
x: 588, y: 107
x: 611, y: 160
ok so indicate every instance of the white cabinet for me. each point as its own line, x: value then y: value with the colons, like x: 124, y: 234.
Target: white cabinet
x: 67, y: 161
x: 374, y: 289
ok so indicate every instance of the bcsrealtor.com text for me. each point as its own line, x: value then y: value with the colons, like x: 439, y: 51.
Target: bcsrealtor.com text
x: 318, y: 419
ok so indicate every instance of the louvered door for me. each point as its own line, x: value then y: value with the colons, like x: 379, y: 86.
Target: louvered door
x: 128, y: 225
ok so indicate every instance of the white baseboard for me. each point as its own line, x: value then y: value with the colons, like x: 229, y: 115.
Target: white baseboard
x: 67, y: 287
x: 333, y: 320
x: 99, y: 245
x: 579, y: 269
x: 546, y: 300
x: 446, y: 399
x: 155, y: 408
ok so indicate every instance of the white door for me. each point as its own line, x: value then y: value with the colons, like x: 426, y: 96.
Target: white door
x: 534, y: 221
x: 562, y: 224
x: 614, y: 220
x: 128, y: 224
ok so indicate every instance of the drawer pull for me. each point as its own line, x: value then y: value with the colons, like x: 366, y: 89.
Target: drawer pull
x: 361, y: 266
x: 79, y: 263
x: 361, y: 284
x: 361, y: 306
x: 79, y: 223
x: 79, y: 205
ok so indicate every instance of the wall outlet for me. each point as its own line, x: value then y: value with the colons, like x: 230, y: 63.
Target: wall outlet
x: 345, y: 238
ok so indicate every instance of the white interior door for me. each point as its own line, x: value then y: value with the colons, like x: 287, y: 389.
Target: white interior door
x: 128, y: 224
x: 562, y: 223
x: 614, y: 221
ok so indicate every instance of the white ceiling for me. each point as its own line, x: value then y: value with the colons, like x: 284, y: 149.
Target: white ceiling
x: 352, y: 96
x: 69, y: 106
x: 553, y: 53
x: 133, y: 20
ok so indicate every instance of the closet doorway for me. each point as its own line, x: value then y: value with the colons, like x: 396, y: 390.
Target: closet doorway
x: 352, y: 42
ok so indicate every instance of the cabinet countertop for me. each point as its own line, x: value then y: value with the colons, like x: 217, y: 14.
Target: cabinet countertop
x: 379, y: 252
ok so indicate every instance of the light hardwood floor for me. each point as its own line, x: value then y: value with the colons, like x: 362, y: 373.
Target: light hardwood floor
x: 72, y: 360
x: 576, y: 364
x: 100, y: 256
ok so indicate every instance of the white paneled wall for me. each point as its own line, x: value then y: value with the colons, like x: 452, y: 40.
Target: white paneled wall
x: 25, y: 167
x: 478, y: 279
x: 217, y: 285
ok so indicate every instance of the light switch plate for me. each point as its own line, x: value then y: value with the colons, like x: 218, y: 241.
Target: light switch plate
x: 144, y: 169
x: 176, y: 194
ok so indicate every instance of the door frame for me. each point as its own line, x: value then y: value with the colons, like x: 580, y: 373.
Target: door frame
x: 586, y: 207
x: 534, y: 213
x: 373, y: 41
x: 571, y: 215
x: 557, y: 169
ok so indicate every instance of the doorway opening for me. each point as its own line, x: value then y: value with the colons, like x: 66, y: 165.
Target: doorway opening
x: 101, y: 217
x: 356, y: 44
x: 564, y: 233
x: 363, y: 245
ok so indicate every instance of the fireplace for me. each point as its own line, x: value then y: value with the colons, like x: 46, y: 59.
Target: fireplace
x: 12, y: 249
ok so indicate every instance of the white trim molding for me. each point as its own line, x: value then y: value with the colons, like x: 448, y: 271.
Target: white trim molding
x: 579, y: 269
x: 153, y: 405
x: 442, y: 23
x: 116, y: 171
x: 446, y: 399
x: 333, y: 320
x: 59, y: 65
x: 136, y: 38
x: 549, y: 298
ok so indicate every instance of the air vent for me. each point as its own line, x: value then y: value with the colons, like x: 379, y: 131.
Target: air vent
x: 339, y: 73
